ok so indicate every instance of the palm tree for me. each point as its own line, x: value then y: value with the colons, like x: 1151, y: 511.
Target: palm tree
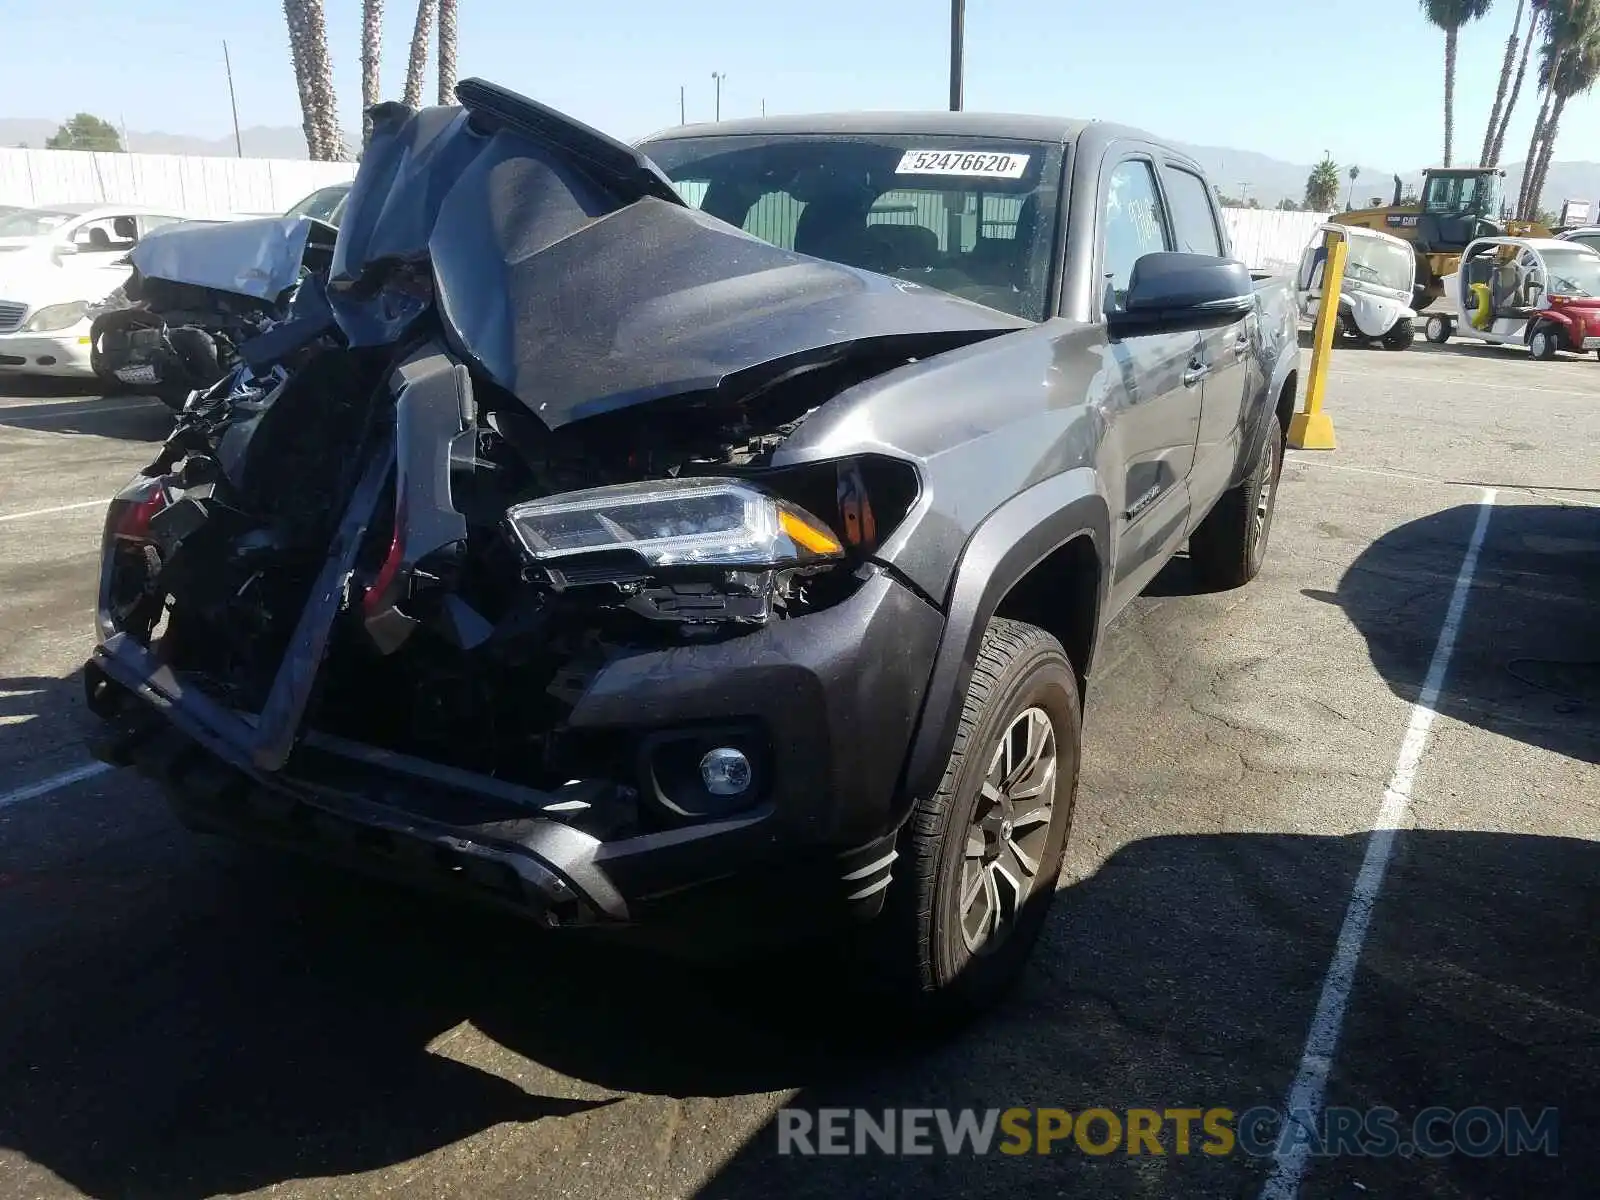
x: 313, y: 70
x: 1497, y: 130
x: 1450, y: 16
x: 1506, y: 67
x: 1572, y: 65
x: 418, y: 65
x: 447, y: 51
x: 371, y: 48
x: 1571, y: 28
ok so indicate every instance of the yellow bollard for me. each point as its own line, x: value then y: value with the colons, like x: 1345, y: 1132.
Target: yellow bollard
x: 1313, y: 428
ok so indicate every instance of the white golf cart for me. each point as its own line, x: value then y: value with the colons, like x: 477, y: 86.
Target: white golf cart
x: 1542, y: 293
x: 1380, y: 271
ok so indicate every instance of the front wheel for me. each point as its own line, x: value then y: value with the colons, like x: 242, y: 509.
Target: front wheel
x: 1542, y: 345
x: 1437, y: 330
x: 1228, y: 547
x: 1400, y: 336
x: 980, y: 857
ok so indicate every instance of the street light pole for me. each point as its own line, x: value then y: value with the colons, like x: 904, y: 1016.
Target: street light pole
x: 682, y: 120
x: 718, y: 77
x: 958, y: 23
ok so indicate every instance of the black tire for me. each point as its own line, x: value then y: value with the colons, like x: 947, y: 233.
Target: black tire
x: 1437, y: 329
x: 922, y: 965
x: 1227, y: 549
x: 1401, y: 334
x: 1543, y: 342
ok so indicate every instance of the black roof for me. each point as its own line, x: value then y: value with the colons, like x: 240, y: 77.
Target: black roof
x: 1011, y: 126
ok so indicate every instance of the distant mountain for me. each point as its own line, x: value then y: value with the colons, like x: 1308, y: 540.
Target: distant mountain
x: 1239, y: 173
x: 1250, y: 176
x: 259, y: 141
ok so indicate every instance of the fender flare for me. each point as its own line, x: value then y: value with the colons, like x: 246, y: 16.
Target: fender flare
x: 1287, y: 362
x: 1010, y: 542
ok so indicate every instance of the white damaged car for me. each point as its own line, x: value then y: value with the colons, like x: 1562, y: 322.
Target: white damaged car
x: 57, y: 262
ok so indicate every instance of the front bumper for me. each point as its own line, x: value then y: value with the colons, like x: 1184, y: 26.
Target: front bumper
x: 835, y: 693
x: 64, y: 353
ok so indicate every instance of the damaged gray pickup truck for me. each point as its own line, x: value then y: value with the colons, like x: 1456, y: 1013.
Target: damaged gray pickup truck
x: 709, y: 540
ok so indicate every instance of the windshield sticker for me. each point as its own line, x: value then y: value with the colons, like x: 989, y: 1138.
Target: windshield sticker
x: 963, y: 162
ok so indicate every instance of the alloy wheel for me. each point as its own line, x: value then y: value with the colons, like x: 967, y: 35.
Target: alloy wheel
x: 1009, y: 830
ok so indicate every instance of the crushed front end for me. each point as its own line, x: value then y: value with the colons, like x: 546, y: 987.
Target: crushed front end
x: 490, y: 573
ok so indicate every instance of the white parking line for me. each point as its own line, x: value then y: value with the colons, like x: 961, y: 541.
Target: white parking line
x: 43, y: 412
x: 55, y: 783
x: 60, y: 508
x: 1306, y: 1093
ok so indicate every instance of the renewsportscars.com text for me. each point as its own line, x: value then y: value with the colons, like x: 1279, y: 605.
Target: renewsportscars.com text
x: 1217, y: 1132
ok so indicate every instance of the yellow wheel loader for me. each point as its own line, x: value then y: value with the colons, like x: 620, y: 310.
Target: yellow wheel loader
x: 1459, y: 205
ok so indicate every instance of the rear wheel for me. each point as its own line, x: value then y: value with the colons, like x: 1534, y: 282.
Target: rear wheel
x: 1437, y: 330
x: 980, y: 857
x: 1400, y: 336
x: 1543, y: 345
x: 1228, y: 547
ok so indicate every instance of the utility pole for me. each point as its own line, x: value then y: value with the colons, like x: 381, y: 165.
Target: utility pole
x: 232, y: 102
x: 958, y: 35
x: 682, y: 120
x: 717, y: 77
x: 763, y: 106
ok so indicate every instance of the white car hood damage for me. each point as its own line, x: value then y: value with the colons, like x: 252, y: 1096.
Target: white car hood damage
x: 259, y: 258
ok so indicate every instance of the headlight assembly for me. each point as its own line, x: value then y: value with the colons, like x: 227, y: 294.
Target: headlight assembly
x: 705, y: 522
x: 57, y: 316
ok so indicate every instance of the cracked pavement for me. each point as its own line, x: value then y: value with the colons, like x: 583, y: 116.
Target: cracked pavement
x: 187, y: 1018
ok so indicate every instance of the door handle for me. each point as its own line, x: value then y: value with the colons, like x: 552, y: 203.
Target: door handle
x: 1197, y: 371
x: 1242, y: 342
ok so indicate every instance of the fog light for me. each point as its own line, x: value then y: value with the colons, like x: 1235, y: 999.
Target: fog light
x: 725, y: 771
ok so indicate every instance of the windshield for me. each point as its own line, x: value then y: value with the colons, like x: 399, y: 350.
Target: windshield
x: 1463, y: 195
x: 32, y: 222
x: 323, y: 205
x: 972, y: 217
x: 1572, y: 272
x: 1382, y: 263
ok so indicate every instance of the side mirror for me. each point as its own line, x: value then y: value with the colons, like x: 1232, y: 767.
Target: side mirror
x: 1178, y: 293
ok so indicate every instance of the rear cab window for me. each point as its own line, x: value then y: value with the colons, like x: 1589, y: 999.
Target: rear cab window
x: 974, y: 217
x: 1194, y: 220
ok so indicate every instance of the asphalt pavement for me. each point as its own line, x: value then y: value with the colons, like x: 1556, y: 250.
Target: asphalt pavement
x: 184, y: 1018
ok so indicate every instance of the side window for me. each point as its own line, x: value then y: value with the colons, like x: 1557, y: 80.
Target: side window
x: 106, y: 235
x: 1192, y: 219
x: 1135, y: 225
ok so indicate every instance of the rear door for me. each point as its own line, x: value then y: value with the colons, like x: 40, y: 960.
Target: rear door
x: 1225, y: 350
x: 1153, y: 404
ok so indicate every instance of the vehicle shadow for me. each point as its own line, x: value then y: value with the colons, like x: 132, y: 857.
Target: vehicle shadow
x: 1527, y: 658
x: 1184, y: 973
x: 237, y: 1022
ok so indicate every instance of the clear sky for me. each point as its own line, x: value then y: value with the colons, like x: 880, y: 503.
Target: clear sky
x: 1290, y: 78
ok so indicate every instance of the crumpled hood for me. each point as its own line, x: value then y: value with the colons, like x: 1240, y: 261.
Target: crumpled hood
x: 572, y: 274
x: 259, y: 258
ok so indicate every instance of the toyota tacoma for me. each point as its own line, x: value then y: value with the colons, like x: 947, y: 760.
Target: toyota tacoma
x: 706, y: 540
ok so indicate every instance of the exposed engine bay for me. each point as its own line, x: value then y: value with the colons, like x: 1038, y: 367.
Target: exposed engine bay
x: 525, y: 427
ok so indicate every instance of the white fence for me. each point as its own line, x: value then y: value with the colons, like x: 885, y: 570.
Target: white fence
x: 1269, y: 240
x: 192, y: 185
